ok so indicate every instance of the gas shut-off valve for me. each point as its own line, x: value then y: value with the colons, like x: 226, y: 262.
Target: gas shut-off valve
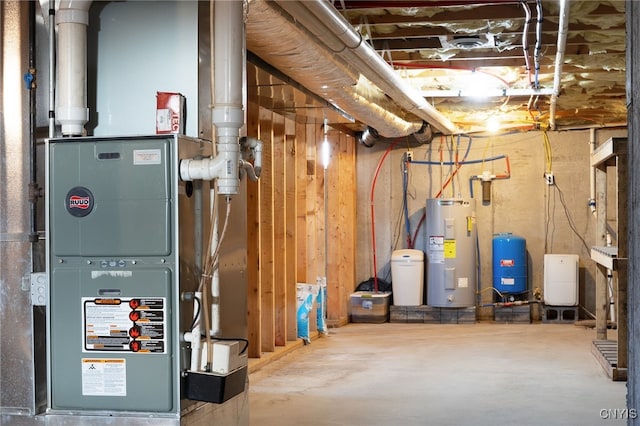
x: 226, y: 167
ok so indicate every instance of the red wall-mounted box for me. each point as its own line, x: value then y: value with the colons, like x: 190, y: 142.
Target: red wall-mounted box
x: 170, y: 113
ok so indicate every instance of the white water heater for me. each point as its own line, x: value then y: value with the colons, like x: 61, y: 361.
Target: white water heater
x: 451, y: 253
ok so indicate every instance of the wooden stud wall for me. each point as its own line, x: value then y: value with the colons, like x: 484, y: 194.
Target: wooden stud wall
x: 254, y: 305
x: 266, y: 235
x: 341, y: 228
x: 286, y: 225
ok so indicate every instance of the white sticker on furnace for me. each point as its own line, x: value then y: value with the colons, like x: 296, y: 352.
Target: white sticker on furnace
x: 104, y: 377
x: 143, y: 157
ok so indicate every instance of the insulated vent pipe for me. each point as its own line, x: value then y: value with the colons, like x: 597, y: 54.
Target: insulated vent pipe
x: 72, y: 19
x: 289, y: 37
x: 280, y: 40
x: 326, y: 23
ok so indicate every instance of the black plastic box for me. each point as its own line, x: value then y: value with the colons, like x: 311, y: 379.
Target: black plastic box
x: 209, y: 387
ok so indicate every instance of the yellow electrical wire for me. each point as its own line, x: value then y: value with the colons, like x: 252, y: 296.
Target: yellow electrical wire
x: 547, y: 152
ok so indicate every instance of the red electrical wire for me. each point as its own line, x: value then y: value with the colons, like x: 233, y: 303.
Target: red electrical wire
x: 373, y: 223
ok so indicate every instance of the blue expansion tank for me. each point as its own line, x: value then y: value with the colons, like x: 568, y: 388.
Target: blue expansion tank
x: 509, y: 263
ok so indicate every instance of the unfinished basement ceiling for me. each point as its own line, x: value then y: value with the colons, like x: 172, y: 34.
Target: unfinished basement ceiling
x: 437, y: 47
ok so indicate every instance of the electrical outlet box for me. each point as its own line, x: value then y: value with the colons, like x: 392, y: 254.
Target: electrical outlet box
x: 39, y: 289
x: 409, y: 155
x: 548, y: 177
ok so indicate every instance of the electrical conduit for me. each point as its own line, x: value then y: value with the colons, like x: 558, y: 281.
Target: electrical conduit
x: 537, y: 52
x: 525, y: 43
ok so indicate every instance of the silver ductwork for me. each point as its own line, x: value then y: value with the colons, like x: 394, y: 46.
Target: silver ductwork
x: 315, y: 46
x: 330, y: 24
x: 368, y: 137
x: 424, y: 135
x: 22, y: 355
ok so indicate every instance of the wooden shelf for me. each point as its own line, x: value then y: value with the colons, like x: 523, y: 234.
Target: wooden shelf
x: 606, y: 256
x: 611, y: 261
x: 605, y: 154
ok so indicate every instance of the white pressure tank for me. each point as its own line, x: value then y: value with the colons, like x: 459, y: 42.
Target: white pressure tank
x: 407, y: 277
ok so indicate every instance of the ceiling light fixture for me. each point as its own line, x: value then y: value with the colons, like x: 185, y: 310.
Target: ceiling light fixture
x: 493, y: 124
x: 326, y: 148
x: 468, y: 41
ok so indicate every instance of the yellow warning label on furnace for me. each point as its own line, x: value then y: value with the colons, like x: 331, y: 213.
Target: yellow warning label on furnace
x: 449, y: 249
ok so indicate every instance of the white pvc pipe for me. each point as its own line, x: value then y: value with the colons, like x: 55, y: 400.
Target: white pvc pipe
x: 563, y: 26
x: 592, y: 173
x: 204, y: 169
x: 214, y: 327
x: 194, y: 336
x: 228, y: 114
x: 257, y: 160
x: 612, y: 306
x: 52, y: 71
x: 72, y: 19
x: 215, y: 304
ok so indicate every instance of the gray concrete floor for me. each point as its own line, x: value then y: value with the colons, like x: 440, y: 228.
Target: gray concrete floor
x: 423, y: 374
